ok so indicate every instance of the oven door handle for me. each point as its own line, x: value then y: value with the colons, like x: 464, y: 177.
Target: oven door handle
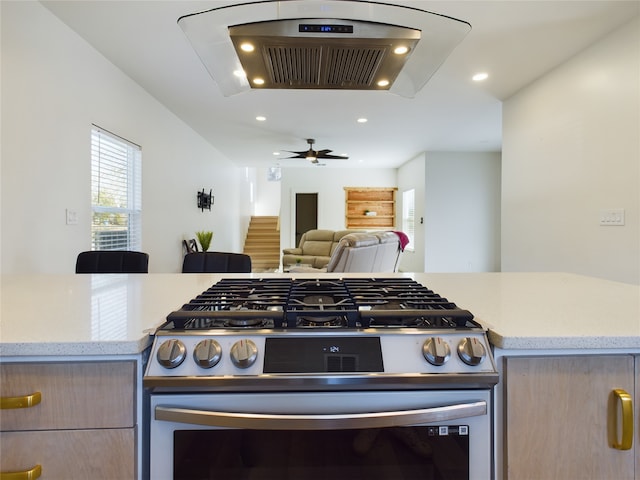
x: 268, y: 421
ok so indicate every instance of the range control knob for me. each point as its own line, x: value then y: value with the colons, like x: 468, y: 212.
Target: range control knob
x: 171, y: 353
x: 471, y: 351
x: 244, y: 353
x: 207, y: 353
x: 436, y: 351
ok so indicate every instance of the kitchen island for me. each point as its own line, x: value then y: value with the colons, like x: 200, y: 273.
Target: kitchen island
x: 568, y: 351
x: 64, y: 322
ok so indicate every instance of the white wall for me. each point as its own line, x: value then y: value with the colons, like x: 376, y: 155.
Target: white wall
x: 54, y: 86
x: 268, y: 195
x: 457, y: 194
x: 329, y: 184
x: 571, y: 147
x: 411, y: 175
x: 462, y: 212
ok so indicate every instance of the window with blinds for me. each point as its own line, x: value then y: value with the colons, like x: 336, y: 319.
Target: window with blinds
x: 408, y: 216
x: 116, y: 192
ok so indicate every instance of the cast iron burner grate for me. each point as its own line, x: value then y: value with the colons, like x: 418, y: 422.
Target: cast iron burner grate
x: 328, y: 303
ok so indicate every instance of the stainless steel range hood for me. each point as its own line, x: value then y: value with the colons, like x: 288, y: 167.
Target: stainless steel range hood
x: 322, y: 44
x: 323, y: 53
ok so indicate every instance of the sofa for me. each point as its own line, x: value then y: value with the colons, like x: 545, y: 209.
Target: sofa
x: 368, y: 252
x: 315, y: 248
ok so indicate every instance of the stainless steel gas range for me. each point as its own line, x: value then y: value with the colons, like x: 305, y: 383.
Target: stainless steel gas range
x: 320, y: 378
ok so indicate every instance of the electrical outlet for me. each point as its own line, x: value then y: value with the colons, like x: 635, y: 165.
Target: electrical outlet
x: 612, y: 217
x: 72, y: 217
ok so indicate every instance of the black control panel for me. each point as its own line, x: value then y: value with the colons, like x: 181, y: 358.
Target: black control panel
x: 322, y: 355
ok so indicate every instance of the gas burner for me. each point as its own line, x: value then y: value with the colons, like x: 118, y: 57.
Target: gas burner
x: 251, y: 322
x: 321, y: 322
x: 319, y: 302
x: 218, y: 323
x: 370, y: 299
x: 388, y: 305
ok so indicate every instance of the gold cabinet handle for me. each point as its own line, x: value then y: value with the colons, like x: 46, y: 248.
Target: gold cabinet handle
x: 25, y: 401
x: 32, y: 474
x: 626, y: 405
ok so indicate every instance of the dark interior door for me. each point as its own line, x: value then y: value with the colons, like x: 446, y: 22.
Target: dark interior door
x: 306, y: 213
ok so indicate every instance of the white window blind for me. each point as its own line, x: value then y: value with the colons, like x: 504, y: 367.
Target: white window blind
x: 408, y: 216
x: 116, y: 192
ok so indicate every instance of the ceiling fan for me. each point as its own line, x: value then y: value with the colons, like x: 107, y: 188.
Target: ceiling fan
x: 314, y: 155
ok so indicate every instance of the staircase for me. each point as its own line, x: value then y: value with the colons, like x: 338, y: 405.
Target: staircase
x: 263, y: 243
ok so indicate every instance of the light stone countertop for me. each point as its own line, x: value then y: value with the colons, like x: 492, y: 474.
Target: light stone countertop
x: 67, y: 315
x: 547, y: 311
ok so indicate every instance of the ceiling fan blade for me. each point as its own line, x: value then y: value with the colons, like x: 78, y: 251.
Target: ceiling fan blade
x: 297, y: 154
x: 332, y: 157
x: 316, y: 154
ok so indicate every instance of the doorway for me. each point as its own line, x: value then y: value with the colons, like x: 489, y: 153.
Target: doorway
x: 306, y: 213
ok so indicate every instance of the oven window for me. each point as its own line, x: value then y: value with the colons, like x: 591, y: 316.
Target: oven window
x: 425, y: 452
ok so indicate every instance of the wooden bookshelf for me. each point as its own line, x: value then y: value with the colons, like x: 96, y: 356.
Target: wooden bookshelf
x: 370, y: 208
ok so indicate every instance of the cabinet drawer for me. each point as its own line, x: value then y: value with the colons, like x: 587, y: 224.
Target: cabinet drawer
x: 96, y: 454
x: 73, y: 395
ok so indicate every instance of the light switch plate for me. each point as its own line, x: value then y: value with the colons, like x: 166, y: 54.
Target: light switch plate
x: 72, y: 217
x: 612, y: 217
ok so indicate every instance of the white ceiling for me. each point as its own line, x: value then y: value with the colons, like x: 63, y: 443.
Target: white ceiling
x: 514, y: 41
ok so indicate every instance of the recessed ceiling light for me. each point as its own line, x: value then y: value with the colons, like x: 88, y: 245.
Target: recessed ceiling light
x: 401, y: 50
x: 239, y: 73
x: 276, y: 153
x: 258, y: 81
x: 383, y: 83
x: 247, y: 47
x: 261, y: 118
x: 362, y: 120
x: 478, y: 77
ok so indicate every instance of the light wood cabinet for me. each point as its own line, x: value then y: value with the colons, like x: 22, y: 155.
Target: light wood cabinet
x: 561, y: 420
x: 84, y: 425
x: 370, y: 208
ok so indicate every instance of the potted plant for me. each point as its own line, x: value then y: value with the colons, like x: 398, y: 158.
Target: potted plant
x: 205, y: 239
